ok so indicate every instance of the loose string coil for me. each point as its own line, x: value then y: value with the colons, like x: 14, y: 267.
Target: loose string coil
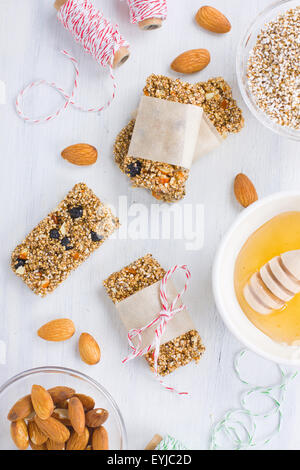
x: 142, y: 10
x: 242, y: 435
x: 161, y: 321
x: 99, y: 38
x: 170, y: 443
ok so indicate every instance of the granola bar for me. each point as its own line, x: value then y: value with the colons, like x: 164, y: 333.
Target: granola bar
x: 167, y: 182
x: 63, y: 240
x: 137, y: 276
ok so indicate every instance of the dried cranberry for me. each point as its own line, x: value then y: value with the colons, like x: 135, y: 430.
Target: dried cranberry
x: 95, y: 237
x: 76, y: 212
x: 54, y: 233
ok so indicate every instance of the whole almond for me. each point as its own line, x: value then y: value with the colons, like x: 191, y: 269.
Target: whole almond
x: 89, y: 349
x: 54, y: 429
x: 78, y: 441
x: 35, y: 434
x: 76, y: 415
x: 100, y: 439
x: 57, y: 330
x: 95, y: 418
x: 51, y: 445
x: 35, y: 447
x: 19, y: 434
x: 62, y: 415
x: 42, y: 402
x: 191, y: 61
x: 21, y: 409
x: 213, y: 20
x: 80, y: 154
x: 60, y: 394
x: 244, y: 190
x: 87, y: 402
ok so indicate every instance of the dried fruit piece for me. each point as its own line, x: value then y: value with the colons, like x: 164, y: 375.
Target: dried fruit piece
x: 19, y: 434
x: 95, y: 418
x: 100, y: 439
x: 80, y: 154
x: 57, y: 330
x: 89, y: 349
x: 36, y: 436
x: 78, y: 441
x: 54, y: 429
x: 87, y: 402
x: 51, y: 445
x: 42, y: 402
x: 213, y: 20
x: 60, y: 394
x: 21, y: 409
x: 191, y: 61
x: 244, y: 190
x: 76, y: 415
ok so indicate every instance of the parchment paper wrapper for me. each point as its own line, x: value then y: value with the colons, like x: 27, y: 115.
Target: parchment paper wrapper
x: 166, y: 131
x: 142, y: 307
x: 208, y: 140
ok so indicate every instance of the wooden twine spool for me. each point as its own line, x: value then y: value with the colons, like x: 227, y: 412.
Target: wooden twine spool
x: 150, y: 24
x: 121, y: 54
x: 154, y: 442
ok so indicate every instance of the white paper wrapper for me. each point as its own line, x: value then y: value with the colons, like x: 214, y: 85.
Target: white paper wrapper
x: 144, y: 306
x: 208, y: 139
x: 166, y: 131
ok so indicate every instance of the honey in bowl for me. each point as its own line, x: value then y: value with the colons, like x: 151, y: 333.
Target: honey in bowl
x: 277, y: 236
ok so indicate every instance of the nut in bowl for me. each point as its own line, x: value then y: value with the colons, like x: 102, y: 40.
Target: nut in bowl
x: 86, y: 406
x: 256, y: 331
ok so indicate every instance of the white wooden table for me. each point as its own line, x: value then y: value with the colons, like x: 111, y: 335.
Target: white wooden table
x: 34, y: 178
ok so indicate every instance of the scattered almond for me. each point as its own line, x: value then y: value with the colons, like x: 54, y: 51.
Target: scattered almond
x: 57, y: 330
x: 76, y: 415
x: 51, y: 445
x: 21, y: 409
x: 54, y: 429
x: 19, y: 434
x: 213, y: 20
x: 80, y: 154
x: 244, y: 190
x: 100, y: 439
x: 88, y: 402
x: 60, y: 394
x: 191, y: 61
x: 42, y: 402
x: 89, y: 349
x: 95, y: 418
x: 35, y: 434
x: 78, y: 441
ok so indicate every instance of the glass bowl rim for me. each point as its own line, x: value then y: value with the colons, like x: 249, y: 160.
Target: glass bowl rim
x: 83, y: 376
x: 262, y: 117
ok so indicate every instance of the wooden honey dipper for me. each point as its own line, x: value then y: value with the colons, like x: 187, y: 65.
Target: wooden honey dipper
x: 277, y: 282
x: 121, y: 55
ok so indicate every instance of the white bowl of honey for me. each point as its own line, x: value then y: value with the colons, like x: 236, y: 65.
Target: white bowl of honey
x: 260, y: 244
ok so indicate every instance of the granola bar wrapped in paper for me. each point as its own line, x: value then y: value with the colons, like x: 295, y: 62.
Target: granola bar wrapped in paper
x: 135, y: 292
x: 221, y: 116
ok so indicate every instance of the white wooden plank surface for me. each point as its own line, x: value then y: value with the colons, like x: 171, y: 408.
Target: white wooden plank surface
x: 34, y: 178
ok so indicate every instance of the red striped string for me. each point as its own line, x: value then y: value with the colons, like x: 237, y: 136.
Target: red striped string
x: 141, y: 10
x: 161, y: 321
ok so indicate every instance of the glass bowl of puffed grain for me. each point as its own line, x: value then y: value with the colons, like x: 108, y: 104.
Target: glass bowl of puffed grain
x: 268, y: 68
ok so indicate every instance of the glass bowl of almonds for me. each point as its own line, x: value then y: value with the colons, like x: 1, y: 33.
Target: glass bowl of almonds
x: 268, y: 68
x: 54, y: 408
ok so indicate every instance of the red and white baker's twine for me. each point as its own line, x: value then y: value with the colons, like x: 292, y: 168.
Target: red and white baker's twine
x: 141, y: 10
x: 164, y: 316
x: 97, y: 36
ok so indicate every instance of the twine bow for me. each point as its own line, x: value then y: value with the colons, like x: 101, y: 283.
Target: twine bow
x: 161, y: 321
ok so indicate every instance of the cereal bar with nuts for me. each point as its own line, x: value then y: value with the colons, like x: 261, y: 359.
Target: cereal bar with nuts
x: 165, y: 181
x: 140, y: 275
x: 63, y: 240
